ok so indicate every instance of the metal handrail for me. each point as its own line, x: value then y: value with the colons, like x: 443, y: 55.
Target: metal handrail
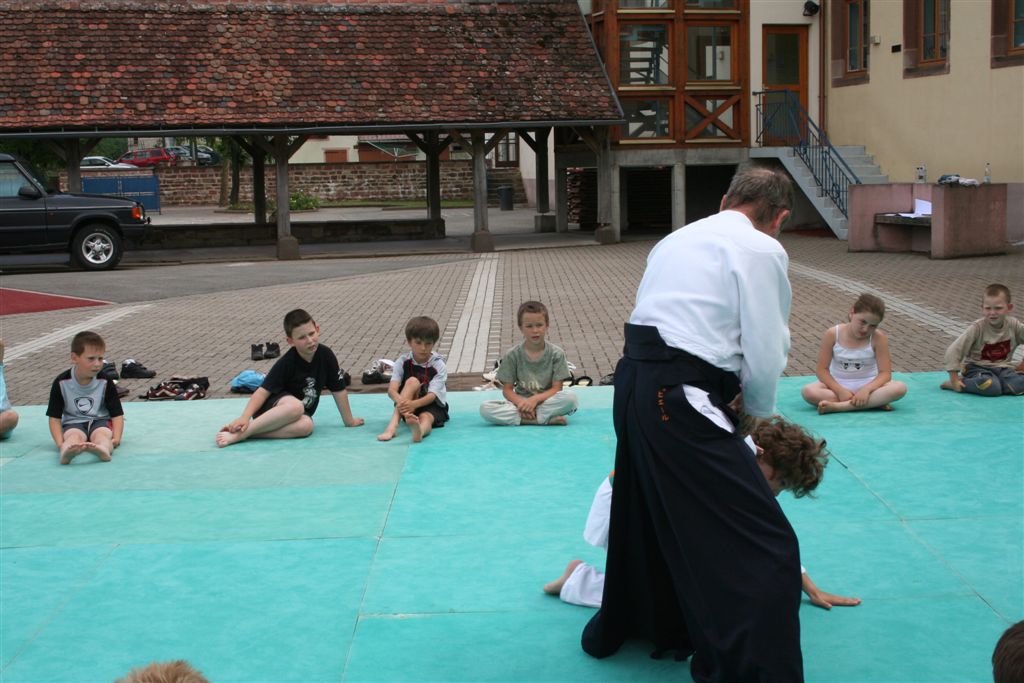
x: 788, y: 120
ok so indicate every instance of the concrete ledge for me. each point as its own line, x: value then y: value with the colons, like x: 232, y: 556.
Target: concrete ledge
x: 306, y: 232
x: 544, y: 222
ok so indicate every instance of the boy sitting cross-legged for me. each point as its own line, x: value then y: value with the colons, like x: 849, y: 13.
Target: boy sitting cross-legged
x: 418, y: 383
x: 531, y: 376
x: 84, y: 410
x: 980, y: 361
x: 283, y: 407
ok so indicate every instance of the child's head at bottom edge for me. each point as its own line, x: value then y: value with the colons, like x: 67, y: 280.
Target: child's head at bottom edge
x: 178, y: 671
x: 1008, y: 657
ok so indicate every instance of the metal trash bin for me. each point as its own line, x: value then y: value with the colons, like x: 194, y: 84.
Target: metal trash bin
x: 505, y: 197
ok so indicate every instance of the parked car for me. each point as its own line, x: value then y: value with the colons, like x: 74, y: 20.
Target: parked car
x: 149, y: 157
x: 103, y: 162
x: 184, y: 152
x: 34, y: 219
x: 214, y: 155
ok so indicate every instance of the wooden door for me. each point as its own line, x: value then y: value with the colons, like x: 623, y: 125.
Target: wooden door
x: 784, y: 67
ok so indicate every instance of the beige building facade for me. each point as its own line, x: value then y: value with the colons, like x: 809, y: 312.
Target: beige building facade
x: 963, y: 113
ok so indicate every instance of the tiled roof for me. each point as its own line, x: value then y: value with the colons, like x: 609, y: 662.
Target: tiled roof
x: 132, y: 65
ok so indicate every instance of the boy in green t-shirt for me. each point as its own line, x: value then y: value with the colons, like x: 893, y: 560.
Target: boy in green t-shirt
x: 531, y: 376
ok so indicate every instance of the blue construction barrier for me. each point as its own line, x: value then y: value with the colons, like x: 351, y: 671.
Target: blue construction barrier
x: 143, y: 188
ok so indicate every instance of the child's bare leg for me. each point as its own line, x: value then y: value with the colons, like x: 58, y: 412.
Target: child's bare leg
x: 74, y: 443
x: 100, y: 443
x: 413, y: 422
x: 426, y: 421
x: 879, y: 398
x: 816, y: 392
x: 392, y: 428
x: 286, y: 420
x: 8, y: 421
x: 886, y: 394
x: 555, y: 587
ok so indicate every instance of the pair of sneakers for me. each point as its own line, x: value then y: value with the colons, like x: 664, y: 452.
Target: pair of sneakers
x: 265, y: 352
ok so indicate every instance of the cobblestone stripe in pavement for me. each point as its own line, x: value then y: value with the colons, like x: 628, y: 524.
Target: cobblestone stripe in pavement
x: 63, y: 334
x: 474, y: 312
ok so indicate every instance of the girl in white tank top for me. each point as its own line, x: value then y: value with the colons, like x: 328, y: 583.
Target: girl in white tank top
x: 854, y: 367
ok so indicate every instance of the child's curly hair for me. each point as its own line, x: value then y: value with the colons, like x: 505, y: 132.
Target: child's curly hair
x: 797, y: 458
x: 178, y: 671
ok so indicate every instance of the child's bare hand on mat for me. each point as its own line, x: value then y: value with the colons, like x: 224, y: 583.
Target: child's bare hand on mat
x: 829, y: 600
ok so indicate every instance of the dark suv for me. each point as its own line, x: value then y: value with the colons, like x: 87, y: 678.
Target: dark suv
x: 34, y: 218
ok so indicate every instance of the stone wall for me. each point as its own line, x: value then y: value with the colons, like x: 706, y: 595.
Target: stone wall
x: 183, y: 186
x: 202, y: 185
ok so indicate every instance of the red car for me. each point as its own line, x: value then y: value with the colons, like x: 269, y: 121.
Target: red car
x: 149, y: 157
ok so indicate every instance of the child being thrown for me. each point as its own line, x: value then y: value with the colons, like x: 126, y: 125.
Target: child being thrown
x: 789, y: 458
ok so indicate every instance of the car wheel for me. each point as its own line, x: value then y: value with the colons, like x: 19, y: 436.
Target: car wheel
x: 96, y: 247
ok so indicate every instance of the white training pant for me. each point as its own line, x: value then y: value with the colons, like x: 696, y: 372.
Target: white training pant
x: 505, y: 413
x: 585, y: 586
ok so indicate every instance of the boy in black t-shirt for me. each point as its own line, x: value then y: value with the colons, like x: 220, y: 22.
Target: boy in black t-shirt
x: 84, y: 410
x: 282, y: 408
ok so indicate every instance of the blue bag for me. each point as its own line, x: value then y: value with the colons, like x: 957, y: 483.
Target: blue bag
x: 246, y: 382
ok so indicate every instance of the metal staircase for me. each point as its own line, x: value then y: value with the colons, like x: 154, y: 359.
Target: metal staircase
x: 823, y: 172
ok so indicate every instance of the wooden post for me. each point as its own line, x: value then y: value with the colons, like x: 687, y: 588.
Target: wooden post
x: 433, y: 176
x: 482, y: 240
x: 73, y: 161
x: 541, y: 152
x: 257, y: 152
x: 539, y: 145
x: 608, y: 223
x: 287, y: 245
x: 71, y: 151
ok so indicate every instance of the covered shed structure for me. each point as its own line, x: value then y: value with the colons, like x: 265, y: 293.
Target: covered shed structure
x: 270, y: 74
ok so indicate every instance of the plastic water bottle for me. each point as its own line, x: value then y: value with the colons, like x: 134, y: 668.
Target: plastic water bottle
x: 988, y: 173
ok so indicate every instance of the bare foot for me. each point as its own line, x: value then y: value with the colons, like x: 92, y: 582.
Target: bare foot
x: 99, y: 451
x: 947, y: 386
x: 555, y: 587
x: 69, y: 451
x: 558, y: 420
x: 414, y: 426
x: 825, y: 407
x: 386, y: 436
x: 887, y: 407
x: 225, y: 438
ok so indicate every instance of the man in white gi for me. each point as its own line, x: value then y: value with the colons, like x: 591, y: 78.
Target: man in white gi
x: 701, y: 558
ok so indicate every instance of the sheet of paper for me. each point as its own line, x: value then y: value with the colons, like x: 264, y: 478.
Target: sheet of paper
x: 921, y: 208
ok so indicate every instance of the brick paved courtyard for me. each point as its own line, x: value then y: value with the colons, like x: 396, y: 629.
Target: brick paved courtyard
x: 589, y: 290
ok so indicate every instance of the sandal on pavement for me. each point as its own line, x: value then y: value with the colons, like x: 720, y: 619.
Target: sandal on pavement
x: 273, y: 350
x: 257, y: 352
x: 582, y: 381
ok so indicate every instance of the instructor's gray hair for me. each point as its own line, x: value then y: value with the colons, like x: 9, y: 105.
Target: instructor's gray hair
x: 765, y: 189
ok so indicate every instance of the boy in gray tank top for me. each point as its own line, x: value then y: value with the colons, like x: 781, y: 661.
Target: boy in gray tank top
x: 84, y: 410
